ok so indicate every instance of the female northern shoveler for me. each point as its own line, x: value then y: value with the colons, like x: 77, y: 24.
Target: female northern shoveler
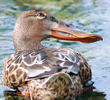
x: 43, y: 73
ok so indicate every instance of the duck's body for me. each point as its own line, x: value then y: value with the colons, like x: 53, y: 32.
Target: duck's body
x: 46, y: 74
x: 67, y: 68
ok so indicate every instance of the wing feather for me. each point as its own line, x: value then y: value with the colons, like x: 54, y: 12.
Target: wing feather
x: 20, y: 67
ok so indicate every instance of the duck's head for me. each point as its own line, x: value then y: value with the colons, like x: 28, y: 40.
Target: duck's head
x: 34, y: 26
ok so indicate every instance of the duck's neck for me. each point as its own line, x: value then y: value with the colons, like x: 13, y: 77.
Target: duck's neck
x: 27, y: 46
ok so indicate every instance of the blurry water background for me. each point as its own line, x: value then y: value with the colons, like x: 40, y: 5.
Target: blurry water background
x: 88, y: 15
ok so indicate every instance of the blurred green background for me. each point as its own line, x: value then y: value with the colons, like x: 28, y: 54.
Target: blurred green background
x: 89, y: 15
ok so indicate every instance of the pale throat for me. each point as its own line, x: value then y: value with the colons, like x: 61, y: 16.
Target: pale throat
x: 28, y: 45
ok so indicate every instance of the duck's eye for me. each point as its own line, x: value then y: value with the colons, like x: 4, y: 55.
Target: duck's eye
x: 41, y: 16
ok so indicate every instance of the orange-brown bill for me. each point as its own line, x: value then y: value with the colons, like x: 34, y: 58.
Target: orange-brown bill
x: 64, y: 32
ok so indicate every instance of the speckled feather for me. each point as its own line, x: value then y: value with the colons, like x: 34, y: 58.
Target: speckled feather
x: 25, y: 68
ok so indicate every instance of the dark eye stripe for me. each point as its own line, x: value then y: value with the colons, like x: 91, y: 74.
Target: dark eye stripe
x: 53, y: 19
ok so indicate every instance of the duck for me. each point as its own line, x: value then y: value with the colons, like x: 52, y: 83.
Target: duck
x: 43, y: 73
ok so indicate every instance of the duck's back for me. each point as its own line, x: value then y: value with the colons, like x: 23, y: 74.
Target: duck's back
x: 39, y: 64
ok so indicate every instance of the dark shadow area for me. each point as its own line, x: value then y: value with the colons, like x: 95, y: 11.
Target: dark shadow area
x: 88, y: 95
x: 91, y: 95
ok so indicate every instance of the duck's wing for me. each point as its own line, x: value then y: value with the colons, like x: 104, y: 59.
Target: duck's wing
x: 63, y: 60
x: 19, y: 68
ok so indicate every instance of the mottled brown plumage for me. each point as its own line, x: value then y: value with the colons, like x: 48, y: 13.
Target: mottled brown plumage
x: 46, y: 74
